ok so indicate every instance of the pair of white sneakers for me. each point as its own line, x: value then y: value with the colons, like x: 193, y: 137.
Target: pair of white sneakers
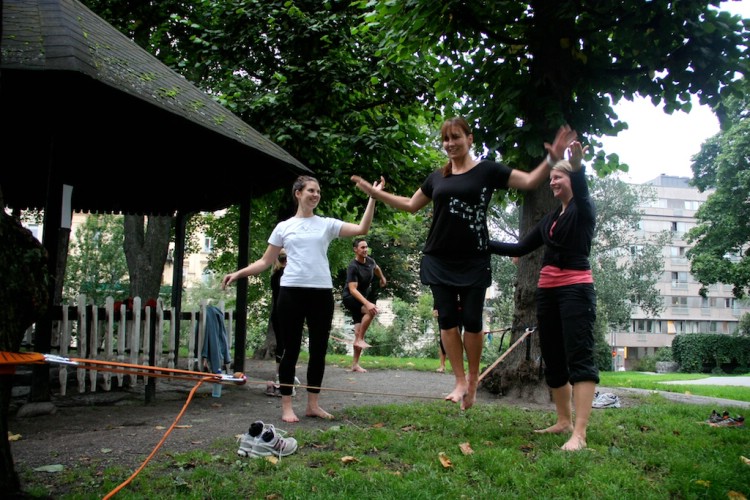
x: 264, y: 440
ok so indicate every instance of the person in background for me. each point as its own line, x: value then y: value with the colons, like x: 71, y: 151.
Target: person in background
x: 306, y: 291
x: 273, y: 389
x: 565, y: 297
x: 456, y: 260
x: 358, y: 296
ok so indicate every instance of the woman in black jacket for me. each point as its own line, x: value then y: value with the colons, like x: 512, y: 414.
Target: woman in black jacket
x: 565, y: 297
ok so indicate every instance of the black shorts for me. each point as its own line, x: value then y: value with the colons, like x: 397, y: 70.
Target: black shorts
x: 354, y: 307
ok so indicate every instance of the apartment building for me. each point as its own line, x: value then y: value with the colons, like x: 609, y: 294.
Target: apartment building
x: 685, y: 311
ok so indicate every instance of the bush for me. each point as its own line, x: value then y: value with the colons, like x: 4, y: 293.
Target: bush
x: 714, y: 353
x: 646, y: 364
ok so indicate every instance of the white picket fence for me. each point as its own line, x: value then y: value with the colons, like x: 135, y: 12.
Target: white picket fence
x: 124, y: 336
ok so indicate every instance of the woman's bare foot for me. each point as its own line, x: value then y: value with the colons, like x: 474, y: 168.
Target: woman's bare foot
x: 361, y: 344
x: 441, y: 369
x: 575, y: 443
x: 556, y: 429
x: 357, y: 368
x: 287, y: 410
x: 458, y: 392
x: 470, y: 397
x: 318, y: 413
x: 290, y: 417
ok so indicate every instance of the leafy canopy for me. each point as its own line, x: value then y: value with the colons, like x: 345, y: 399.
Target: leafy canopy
x: 721, y: 251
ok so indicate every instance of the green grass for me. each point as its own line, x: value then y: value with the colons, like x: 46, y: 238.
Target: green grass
x: 648, y: 449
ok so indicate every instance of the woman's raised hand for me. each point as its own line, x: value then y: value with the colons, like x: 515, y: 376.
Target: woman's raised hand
x: 366, y: 186
x: 576, y: 155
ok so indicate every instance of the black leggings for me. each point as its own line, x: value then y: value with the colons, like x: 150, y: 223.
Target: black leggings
x: 297, y: 305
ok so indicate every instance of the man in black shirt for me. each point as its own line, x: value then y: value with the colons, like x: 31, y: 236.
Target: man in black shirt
x: 358, y: 296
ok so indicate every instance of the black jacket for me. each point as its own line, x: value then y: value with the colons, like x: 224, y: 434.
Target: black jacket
x: 570, y: 244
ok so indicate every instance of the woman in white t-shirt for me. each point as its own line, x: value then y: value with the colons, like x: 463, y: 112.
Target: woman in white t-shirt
x: 306, y: 292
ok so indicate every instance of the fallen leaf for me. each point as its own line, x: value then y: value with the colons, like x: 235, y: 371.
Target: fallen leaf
x: 409, y: 428
x: 160, y: 427
x: 444, y: 460
x: 379, y: 425
x: 182, y: 426
x: 273, y: 459
x: 745, y: 460
x: 466, y: 448
x: 735, y: 495
x: 50, y: 468
x: 106, y: 450
x: 348, y: 459
x: 13, y: 437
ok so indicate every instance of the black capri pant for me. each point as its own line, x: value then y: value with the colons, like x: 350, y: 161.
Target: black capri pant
x: 566, y: 317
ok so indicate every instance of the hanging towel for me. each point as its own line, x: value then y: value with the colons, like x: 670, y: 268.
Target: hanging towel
x: 215, y: 343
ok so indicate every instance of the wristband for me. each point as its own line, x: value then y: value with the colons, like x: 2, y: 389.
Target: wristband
x: 549, y: 161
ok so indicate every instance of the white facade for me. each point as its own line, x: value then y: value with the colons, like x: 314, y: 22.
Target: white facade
x: 685, y: 311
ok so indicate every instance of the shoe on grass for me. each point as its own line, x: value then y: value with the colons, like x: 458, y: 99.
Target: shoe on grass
x: 272, y: 442
x: 249, y: 441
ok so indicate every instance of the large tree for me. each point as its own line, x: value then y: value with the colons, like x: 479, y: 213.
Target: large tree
x: 721, y: 251
x: 520, y: 69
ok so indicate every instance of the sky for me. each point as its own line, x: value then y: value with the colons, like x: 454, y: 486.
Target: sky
x: 657, y: 143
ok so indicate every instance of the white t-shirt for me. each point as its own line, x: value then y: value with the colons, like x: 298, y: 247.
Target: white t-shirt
x: 306, y: 240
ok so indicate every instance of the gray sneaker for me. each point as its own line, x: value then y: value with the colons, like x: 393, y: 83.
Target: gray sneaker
x: 249, y: 441
x: 271, y: 442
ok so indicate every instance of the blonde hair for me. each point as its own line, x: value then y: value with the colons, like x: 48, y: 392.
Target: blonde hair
x: 563, y: 166
x: 280, y: 261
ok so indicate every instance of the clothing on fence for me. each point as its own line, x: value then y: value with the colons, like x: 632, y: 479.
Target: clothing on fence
x: 215, y: 341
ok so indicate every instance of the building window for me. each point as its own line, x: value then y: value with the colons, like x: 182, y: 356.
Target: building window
x: 636, y: 250
x: 647, y: 326
x: 672, y: 203
x: 679, y: 279
x: 679, y: 305
x: 678, y: 228
x: 208, y: 244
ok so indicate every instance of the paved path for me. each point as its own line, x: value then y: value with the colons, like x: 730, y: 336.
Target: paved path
x: 736, y: 381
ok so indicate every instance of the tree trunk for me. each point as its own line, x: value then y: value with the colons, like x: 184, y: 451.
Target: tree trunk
x: 521, y: 372
x: 146, y: 248
x: 24, y: 295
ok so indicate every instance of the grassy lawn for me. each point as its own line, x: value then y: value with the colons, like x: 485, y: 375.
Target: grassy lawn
x: 648, y: 449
